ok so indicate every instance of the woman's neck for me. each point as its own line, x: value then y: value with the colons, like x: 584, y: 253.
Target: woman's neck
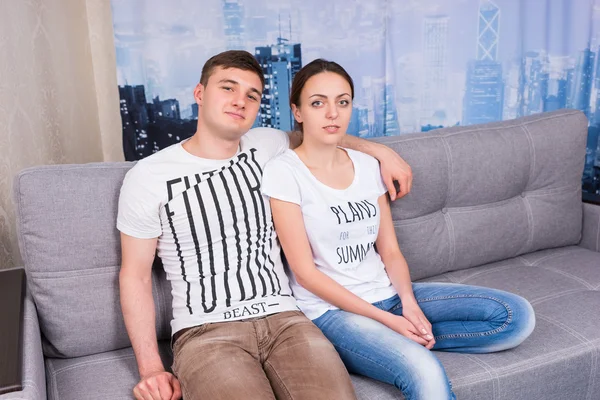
x: 318, y: 155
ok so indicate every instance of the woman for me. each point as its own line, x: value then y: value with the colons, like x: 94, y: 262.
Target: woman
x: 333, y: 219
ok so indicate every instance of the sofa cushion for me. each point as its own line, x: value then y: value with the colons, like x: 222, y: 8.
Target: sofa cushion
x: 558, y: 361
x: 111, y: 375
x: 70, y: 246
x: 489, y: 192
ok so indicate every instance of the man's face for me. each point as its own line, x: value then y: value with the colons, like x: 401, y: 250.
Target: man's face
x: 229, y: 103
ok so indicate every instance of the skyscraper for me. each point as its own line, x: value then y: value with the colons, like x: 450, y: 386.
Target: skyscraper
x: 484, y: 92
x: 391, y: 126
x: 488, y: 32
x: 581, y: 87
x: 167, y: 108
x: 557, y: 95
x: 359, y: 123
x: 280, y: 63
x: 533, y: 84
x: 233, y: 23
x: 407, y: 89
x: 134, y: 118
x: 435, y: 55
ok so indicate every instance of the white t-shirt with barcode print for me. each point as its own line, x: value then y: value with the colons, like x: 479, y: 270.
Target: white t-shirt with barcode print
x: 341, y: 225
x: 215, y: 233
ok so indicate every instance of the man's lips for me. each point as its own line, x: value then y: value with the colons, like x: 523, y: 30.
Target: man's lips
x: 235, y: 115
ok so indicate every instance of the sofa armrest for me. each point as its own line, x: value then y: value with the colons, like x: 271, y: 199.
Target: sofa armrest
x: 33, y: 374
x: 590, y: 237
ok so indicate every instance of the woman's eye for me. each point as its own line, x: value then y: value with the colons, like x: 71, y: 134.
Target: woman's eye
x: 344, y: 102
x: 316, y: 103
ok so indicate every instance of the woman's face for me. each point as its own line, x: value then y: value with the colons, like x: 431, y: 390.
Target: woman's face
x: 326, y: 107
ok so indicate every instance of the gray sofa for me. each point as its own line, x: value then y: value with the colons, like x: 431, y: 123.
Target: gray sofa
x: 495, y: 205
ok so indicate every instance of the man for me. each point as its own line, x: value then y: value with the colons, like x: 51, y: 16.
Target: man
x: 237, y: 332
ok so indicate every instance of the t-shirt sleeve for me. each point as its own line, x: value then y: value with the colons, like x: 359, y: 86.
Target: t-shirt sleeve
x: 274, y: 141
x: 279, y: 182
x: 139, y: 214
x: 375, y: 170
x: 381, y: 188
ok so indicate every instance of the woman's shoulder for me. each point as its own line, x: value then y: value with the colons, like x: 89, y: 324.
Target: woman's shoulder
x: 286, y: 158
x: 285, y: 162
x: 362, y: 158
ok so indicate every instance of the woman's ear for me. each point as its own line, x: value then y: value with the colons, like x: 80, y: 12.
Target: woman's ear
x: 296, y: 112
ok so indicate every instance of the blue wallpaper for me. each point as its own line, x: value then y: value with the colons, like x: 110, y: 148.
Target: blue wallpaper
x: 418, y: 65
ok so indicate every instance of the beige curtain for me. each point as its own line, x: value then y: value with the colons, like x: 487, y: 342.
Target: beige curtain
x: 59, y: 100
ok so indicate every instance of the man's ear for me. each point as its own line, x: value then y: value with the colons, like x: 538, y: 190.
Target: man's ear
x: 296, y: 113
x: 199, y: 94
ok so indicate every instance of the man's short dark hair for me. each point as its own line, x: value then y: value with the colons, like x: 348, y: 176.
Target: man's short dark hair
x: 239, y: 59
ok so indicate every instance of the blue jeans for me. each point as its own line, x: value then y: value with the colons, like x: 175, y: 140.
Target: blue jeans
x: 466, y: 319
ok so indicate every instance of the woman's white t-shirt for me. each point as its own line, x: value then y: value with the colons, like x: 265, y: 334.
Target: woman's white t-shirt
x: 342, y: 226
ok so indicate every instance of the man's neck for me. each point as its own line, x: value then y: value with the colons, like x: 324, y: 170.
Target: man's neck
x: 208, y: 146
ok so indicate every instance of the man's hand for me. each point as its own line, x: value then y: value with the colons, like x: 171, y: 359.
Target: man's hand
x: 394, y: 168
x: 160, y: 385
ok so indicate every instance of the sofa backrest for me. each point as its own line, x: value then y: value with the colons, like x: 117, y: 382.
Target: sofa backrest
x: 70, y: 246
x: 488, y: 192
x: 480, y: 194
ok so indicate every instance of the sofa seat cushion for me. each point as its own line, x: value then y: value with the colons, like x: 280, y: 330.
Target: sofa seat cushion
x: 110, y: 375
x: 559, y: 360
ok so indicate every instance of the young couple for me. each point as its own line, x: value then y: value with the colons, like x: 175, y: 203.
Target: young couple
x: 207, y: 205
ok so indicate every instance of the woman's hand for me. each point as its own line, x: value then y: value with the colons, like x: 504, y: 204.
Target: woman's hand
x: 404, y: 327
x: 413, y: 313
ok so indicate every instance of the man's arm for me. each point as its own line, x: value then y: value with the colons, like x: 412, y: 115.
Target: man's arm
x: 137, y: 303
x: 393, y: 167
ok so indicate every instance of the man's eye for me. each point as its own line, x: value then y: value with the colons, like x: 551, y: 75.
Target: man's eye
x: 253, y: 98
x: 227, y: 88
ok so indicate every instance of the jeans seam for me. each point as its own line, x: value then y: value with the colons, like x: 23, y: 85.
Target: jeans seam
x: 279, y: 380
x: 369, y: 359
x: 475, y: 334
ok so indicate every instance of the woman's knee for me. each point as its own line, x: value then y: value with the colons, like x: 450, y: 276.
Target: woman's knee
x: 523, y: 321
x: 518, y: 324
x: 425, y: 379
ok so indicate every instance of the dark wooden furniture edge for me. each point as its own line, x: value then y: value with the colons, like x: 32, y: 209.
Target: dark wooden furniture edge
x: 591, y: 198
x: 12, y: 295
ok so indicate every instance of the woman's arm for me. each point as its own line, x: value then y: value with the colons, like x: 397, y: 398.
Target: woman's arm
x: 397, y: 269
x: 291, y: 231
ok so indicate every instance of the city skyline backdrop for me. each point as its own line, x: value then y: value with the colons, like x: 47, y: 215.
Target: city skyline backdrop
x: 417, y: 65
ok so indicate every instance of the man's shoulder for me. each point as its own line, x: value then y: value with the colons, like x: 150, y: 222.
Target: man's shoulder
x: 163, y: 157
x: 264, y: 134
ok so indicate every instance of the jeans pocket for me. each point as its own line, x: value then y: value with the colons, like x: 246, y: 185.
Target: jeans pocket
x: 189, y: 334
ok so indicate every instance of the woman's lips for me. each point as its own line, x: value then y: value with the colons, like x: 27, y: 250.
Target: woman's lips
x: 331, y: 128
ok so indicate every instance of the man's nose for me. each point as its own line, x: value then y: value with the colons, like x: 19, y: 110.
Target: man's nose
x: 240, y: 101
